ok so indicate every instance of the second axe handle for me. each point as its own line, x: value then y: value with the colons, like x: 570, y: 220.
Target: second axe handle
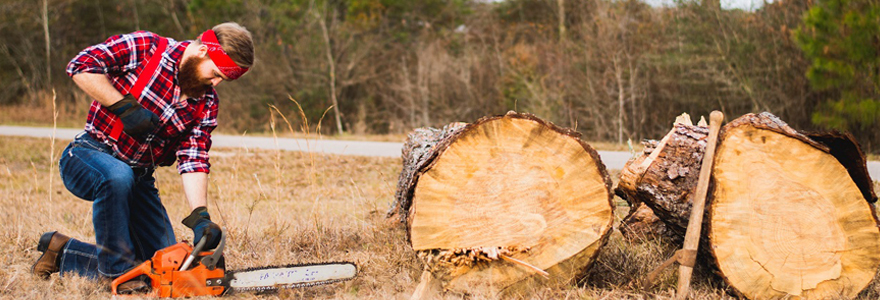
x: 695, y: 224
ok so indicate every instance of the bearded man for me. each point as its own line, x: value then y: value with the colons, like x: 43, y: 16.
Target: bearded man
x: 154, y: 104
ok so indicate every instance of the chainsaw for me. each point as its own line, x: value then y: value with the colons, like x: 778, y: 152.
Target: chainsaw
x: 183, y: 271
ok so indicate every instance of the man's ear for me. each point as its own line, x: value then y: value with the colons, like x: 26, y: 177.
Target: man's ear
x: 202, y: 51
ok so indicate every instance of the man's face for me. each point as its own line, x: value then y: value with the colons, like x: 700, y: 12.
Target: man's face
x: 197, y: 75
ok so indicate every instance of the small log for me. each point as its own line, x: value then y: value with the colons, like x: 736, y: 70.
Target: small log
x: 499, y: 204
x: 665, y: 177
x: 642, y: 224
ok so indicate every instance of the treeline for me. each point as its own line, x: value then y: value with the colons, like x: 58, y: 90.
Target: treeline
x: 615, y: 70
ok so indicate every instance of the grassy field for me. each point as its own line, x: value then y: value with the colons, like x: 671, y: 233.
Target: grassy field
x: 282, y: 208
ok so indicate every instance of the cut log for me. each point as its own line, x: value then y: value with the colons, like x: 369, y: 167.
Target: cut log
x: 494, y: 204
x: 787, y: 219
x: 664, y: 178
x: 788, y: 216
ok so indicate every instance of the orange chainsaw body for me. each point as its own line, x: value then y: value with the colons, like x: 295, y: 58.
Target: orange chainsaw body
x: 168, y: 281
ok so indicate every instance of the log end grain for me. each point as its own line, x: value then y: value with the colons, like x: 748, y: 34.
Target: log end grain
x: 787, y: 220
x: 510, y: 182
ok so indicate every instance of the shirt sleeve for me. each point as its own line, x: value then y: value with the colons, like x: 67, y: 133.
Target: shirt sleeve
x: 192, y: 156
x: 118, y: 54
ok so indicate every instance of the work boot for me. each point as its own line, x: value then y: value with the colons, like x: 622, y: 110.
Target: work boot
x: 51, y: 244
x: 138, y: 285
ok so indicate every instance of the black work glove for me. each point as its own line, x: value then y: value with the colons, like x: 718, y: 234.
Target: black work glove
x: 136, y: 120
x: 200, y: 222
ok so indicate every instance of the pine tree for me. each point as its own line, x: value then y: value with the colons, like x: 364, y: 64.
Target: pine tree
x: 842, y: 39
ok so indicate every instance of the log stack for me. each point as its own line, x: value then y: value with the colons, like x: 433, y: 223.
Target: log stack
x: 503, y: 204
x: 789, y: 216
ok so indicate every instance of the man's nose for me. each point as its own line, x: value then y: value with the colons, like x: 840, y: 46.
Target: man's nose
x: 216, y: 81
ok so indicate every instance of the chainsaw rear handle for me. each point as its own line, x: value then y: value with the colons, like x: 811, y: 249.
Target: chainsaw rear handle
x: 144, y: 268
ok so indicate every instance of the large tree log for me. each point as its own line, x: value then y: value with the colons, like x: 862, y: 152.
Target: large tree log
x: 490, y: 204
x: 786, y: 218
x: 789, y: 216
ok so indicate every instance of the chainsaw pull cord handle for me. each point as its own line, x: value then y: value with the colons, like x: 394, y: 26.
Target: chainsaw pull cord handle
x: 192, y: 255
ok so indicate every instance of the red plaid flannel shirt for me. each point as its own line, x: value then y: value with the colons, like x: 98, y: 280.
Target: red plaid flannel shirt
x: 182, y: 135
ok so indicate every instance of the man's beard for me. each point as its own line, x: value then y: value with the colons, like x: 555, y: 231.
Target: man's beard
x: 188, y: 78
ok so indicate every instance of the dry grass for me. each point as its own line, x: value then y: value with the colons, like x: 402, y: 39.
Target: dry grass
x: 282, y: 208
x: 277, y: 207
x: 71, y: 114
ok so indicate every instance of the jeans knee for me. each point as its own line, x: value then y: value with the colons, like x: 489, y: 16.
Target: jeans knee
x: 119, y: 182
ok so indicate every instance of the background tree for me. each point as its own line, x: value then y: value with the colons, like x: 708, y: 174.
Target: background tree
x: 842, y: 39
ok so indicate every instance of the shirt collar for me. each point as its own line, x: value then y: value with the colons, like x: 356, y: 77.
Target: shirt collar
x: 176, y: 54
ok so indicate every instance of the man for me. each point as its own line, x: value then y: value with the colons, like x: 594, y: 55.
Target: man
x: 154, y: 103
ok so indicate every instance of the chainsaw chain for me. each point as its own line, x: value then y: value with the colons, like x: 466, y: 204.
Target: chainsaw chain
x: 260, y: 289
x: 292, y: 266
x: 285, y: 286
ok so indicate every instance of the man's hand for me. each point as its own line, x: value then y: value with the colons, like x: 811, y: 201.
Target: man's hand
x: 202, y: 227
x: 136, y: 120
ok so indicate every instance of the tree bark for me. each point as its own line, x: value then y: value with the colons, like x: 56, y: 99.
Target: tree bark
x: 331, y: 62
x: 137, y: 18
x: 560, y: 5
x: 48, y: 43
x: 494, y: 203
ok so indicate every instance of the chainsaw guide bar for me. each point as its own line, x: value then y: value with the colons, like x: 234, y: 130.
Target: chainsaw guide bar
x: 268, y: 279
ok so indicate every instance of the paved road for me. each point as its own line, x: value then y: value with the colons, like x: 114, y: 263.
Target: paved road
x: 612, y: 159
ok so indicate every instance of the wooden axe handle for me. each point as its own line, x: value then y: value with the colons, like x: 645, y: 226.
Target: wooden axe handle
x: 428, y: 286
x: 695, y: 224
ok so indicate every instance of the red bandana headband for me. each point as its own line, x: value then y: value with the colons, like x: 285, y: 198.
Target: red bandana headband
x: 220, y: 58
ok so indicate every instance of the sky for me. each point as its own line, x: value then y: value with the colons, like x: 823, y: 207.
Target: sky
x: 749, y: 5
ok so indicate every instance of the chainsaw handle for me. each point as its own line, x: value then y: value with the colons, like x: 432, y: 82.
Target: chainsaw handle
x: 210, y: 261
x: 193, y: 254
x: 144, y: 268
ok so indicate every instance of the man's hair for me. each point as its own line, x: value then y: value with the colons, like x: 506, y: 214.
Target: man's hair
x: 237, y: 42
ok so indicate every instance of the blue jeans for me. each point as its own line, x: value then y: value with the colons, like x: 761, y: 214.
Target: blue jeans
x: 130, y: 221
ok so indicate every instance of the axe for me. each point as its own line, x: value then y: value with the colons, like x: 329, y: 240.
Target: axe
x: 688, y: 254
